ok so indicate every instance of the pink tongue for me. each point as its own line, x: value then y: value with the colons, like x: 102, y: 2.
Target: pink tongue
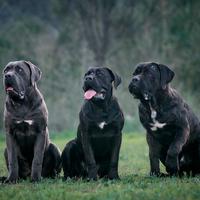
x: 89, y: 94
x: 9, y: 89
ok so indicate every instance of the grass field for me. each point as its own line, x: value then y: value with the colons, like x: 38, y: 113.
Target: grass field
x: 135, y: 182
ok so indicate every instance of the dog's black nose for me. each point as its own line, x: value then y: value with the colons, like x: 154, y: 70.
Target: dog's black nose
x: 8, y: 76
x: 89, y: 78
x: 135, y: 79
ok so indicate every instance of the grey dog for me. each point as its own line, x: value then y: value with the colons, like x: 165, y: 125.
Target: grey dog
x: 29, y: 151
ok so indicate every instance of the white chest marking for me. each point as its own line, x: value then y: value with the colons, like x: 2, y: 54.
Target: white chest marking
x: 30, y: 122
x: 156, y: 124
x: 102, y: 124
x: 182, y: 159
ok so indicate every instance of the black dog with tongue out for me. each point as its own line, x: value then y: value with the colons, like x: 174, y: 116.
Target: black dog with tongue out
x: 95, y: 151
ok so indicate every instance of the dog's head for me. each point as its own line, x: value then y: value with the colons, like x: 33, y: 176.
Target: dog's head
x: 148, y: 78
x: 18, y: 77
x: 98, y: 83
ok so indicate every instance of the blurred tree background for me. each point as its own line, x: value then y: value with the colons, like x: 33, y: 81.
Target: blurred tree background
x: 65, y: 37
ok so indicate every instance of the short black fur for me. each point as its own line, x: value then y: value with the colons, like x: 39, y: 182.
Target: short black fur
x: 95, y: 151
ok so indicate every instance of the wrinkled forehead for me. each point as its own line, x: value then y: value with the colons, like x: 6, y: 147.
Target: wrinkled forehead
x: 97, y: 70
x: 17, y: 64
x: 148, y: 67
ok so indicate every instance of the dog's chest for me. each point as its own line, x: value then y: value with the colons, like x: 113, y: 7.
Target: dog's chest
x: 101, y: 129
x: 101, y: 125
x: 28, y: 122
x: 24, y: 127
x: 155, y: 124
x: 25, y: 134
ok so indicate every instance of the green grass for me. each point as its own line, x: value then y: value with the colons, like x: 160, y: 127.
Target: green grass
x: 135, y: 182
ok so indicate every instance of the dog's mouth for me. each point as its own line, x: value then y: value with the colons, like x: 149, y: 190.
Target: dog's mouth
x: 144, y: 96
x: 141, y: 95
x: 91, y: 93
x: 11, y: 90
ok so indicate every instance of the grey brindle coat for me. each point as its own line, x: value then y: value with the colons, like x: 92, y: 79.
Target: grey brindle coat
x: 173, y: 130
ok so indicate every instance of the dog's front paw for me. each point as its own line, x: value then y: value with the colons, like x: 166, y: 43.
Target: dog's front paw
x: 113, y: 174
x: 12, y: 179
x: 92, y: 173
x: 172, y: 166
x: 158, y: 174
x: 35, y: 177
x: 36, y: 172
x: 154, y: 173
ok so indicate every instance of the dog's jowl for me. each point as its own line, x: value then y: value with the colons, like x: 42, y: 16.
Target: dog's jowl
x: 95, y: 151
x: 173, y: 130
x: 29, y: 151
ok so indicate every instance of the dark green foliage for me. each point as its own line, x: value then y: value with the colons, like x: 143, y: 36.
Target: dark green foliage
x: 64, y: 38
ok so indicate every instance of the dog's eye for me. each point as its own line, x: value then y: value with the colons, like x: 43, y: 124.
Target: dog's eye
x: 88, y: 73
x: 98, y: 73
x: 6, y: 70
x: 19, y: 69
x: 153, y: 67
x: 137, y: 71
x: 150, y: 76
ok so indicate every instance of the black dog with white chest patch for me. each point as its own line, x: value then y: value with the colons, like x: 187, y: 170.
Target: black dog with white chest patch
x: 95, y: 151
x: 29, y: 151
x: 173, y: 130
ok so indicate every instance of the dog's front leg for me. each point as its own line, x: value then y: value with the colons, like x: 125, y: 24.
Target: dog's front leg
x: 12, y: 159
x: 39, y: 148
x: 154, y: 155
x: 172, y: 162
x: 89, y: 157
x: 113, y: 171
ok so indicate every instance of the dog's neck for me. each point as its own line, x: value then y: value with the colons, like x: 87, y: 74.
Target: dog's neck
x: 101, y: 106
x: 159, y: 99
x: 163, y: 95
x: 103, y: 112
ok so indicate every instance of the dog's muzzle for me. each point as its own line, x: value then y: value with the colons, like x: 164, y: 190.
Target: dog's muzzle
x: 135, y: 89
x: 92, y: 91
x: 10, y: 86
x: 134, y: 86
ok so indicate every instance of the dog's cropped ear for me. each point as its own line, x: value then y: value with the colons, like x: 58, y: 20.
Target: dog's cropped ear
x: 166, y: 75
x: 115, y: 78
x: 35, y: 72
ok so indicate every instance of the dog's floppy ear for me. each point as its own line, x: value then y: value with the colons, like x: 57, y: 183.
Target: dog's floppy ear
x: 35, y: 72
x: 166, y: 75
x: 115, y: 78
